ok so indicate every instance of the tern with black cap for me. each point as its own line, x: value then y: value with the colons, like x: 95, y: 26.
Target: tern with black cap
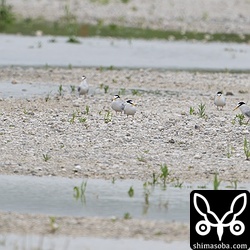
x: 117, y: 104
x: 220, y: 100
x: 245, y: 110
x: 129, y: 108
x: 83, y: 88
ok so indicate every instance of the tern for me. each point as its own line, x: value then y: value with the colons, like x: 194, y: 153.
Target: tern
x: 245, y: 110
x: 220, y: 100
x: 83, y: 88
x: 129, y: 108
x: 117, y: 104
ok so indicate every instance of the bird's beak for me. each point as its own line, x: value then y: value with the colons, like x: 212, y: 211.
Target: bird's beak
x: 236, y: 107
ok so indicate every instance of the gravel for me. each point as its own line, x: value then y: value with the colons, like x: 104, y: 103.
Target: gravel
x: 52, y: 135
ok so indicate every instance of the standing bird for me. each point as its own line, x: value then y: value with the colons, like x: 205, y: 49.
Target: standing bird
x: 245, y: 110
x: 129, y: 108
x: 220, y: 100
x: 117, y: 104
x: 83, y: 88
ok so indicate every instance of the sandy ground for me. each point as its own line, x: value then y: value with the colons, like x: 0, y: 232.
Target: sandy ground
x: 210, y: 16
x: 162, y: 132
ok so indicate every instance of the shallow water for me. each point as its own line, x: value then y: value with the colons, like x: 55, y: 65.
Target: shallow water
x: 31, y: 242
x: 106, y: 52
x: 26, y: 90
x: 56, y: 196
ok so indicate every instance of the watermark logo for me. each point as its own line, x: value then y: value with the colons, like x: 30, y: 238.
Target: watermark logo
x: 219, y: 219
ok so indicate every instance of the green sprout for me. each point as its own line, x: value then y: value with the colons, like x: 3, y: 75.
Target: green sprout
x: 216, y: 182
x: 46, y: 157
x: 82, y: 119
x: 146, y: 193
x: 73, y: 88
x: 230, y: 150
x: 53, y: 225
x: 178, y: 184
x: 164, y: 174
x: 239, y: 118
x: 72, y: 120
x: 108, y: 117
x: 47, y: 98
x: 202, y: 110
x: 154, y: 179
x: 191, y: 111
x: 127, y: 216
x: 106, y: 88
x: 135, y: 91
x: 79, y: 192
x: 246, y: 149
x: 233, y: 184
x: 131, y: 192
x: 73, y: 39
x: 60, y: 90
x: 87, y: 109
x: 141, y: 159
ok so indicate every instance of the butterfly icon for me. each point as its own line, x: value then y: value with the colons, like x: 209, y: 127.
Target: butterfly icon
x: 203, y: 227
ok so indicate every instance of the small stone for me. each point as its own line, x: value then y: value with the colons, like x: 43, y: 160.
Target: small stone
x: 229, y: 93
x: 197, y: 157
x: 196, y: 126
x: 77, y: 167
x: 161, y: 128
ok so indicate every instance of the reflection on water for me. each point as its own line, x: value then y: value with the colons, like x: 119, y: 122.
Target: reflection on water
x: 31, y: 242
x: 76, y: 197
x: 62, y: 196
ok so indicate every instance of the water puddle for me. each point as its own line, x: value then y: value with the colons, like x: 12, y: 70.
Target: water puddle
x: 32, y: 90
x: 31, y: 242
x: 25, y: 90
x: 59, y: 196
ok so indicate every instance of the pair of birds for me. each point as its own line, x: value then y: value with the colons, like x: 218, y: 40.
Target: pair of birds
x: 117, y: 104
x: 220, y: 101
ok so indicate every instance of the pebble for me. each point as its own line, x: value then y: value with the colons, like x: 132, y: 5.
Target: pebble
x: 122, y: 148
